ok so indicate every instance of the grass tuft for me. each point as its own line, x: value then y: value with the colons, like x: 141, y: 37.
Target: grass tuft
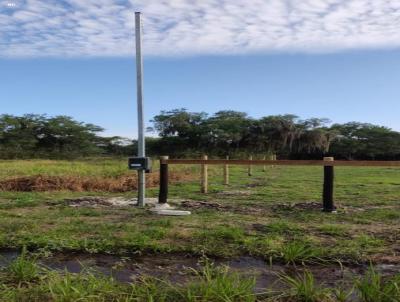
x: 80, y: 287
x: 297, y: 252
x: 304, y: 288
x: 373, y: 288
x: 218, y: 284
x: 23, y: 269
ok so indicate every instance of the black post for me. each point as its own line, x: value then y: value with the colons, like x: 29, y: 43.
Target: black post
x: 163, y: 194
x: 329, y: 175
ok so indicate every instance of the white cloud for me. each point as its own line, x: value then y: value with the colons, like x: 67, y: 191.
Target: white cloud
x: 190, y: 27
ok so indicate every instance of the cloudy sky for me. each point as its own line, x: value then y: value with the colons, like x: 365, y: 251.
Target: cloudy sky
x: 196, y: 27
x: 345, y: 48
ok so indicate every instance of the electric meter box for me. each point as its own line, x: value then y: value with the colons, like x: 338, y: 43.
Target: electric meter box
x: 140, y: 163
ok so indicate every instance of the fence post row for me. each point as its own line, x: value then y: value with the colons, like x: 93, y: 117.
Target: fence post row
x: 163, y: 193
x: 329, y: 174
x: 328, y: 164
x: 204, y: 176
x: 226, y: 172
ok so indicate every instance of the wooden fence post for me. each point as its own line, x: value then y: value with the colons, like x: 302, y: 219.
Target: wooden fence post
x: 226, y: 172
x: 250, y: 169
x: 204, y: 176
x: 328, y: 202
x: 273, y: 158
x: 163, y: 193
x: 264, y: 166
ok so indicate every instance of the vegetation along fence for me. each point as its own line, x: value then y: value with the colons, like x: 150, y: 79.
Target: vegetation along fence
x: 328, y: 163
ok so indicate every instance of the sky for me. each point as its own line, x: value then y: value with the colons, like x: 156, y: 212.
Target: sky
x: 338, y: 59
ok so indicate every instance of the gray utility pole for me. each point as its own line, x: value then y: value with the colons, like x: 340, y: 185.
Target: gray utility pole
x: 141, y: 141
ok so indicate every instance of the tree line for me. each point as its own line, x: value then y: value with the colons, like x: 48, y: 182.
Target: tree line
x: 181, y: 133
x: 40, y: 136
x: 234, y: 133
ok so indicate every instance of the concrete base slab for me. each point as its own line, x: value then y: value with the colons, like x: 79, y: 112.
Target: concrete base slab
x: 163, y: 206
x: 171, y: 212
x: 151, y: 203
x: 167, y: 210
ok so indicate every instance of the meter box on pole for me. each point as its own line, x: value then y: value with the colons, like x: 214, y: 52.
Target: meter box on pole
x: 140, y: 164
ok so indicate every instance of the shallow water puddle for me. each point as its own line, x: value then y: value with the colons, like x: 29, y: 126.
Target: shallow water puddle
x: 126, y: 269
x: 179, y: 268
x: 7, y: 256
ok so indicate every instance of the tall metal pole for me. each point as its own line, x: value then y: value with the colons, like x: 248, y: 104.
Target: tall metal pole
x: 141, y: 141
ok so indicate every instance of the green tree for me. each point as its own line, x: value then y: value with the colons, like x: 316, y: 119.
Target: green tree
x: 32, y: 135
x: 366, y: 141
x: 226, y: 129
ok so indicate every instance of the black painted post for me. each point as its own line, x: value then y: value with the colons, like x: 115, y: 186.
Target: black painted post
x: 163, y: 194
x: 328, y: 202
x: 250, y: 168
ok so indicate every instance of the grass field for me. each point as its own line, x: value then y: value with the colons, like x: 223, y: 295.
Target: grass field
x: 273, y: 217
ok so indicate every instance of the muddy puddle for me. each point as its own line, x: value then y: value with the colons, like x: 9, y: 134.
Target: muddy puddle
x: 179, y: 268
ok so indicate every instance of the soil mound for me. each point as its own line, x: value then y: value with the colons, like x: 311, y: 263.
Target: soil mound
x: 93, y: 201
x: 191, y: 204
x: 298, y: 206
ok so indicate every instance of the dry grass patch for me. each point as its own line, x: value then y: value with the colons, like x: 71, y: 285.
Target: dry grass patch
x: 124, y: 183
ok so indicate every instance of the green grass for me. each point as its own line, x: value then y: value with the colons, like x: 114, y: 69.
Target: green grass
x: 298, y: 252
x: 95, y: 167
x: 23, y: 269
x: 373, y: 288
x: 267, y: 215
x: 365, y: 196
x: 333, y: 230
x: 303, y: 288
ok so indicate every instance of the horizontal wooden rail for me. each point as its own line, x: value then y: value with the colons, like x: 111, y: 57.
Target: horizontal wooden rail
x: 344, y: 163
